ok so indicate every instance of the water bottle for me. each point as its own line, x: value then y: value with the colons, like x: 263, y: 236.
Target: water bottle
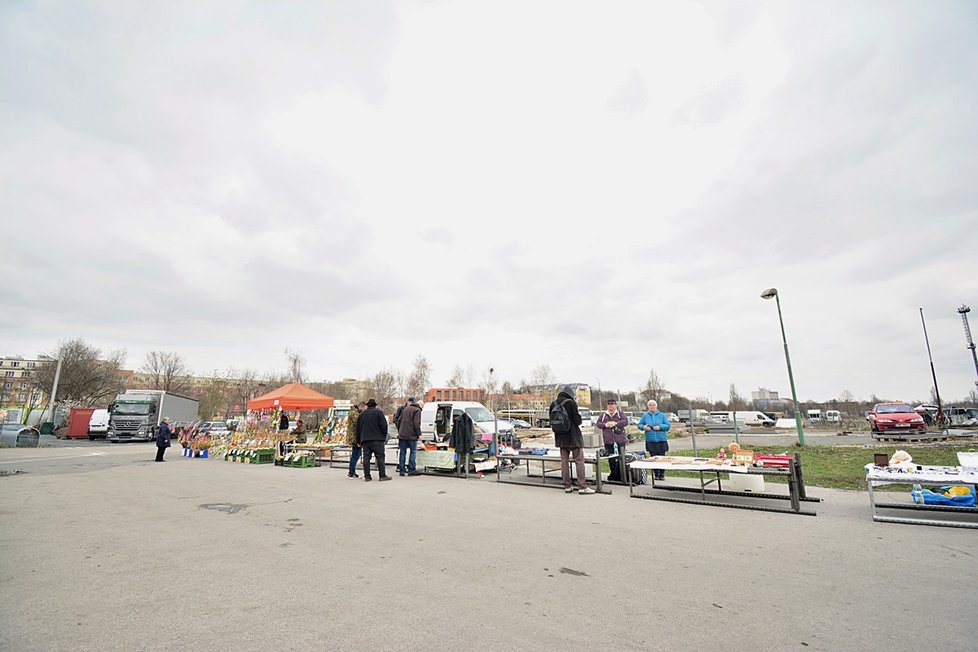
x: 918, y: 494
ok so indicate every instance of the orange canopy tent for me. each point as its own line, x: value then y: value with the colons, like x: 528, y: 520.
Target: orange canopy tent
x: 293, y: 396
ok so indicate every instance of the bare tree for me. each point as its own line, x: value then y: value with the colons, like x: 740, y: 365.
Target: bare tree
x: 167, y: 371
x: 385, y: 386
x: 491, y: 383
x: 973, y: 397
x: 653, y: 388
x: 296, y: 366
x: 87, y: 378
x: 543, y: 375
x: 420, y: 378
x: 736, y: 400
x: 458, y: 377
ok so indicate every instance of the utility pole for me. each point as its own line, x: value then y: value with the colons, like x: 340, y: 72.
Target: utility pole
x: 963, y: 311
x: 54, y: 391
x: 933, y: 374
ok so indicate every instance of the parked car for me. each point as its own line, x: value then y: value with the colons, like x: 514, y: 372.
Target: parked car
x: 520, y: 423
x: 19, y: 436
x: 894, y: 417
x: 214, y: 428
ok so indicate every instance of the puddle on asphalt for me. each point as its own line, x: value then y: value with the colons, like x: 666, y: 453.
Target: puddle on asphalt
x: 227, y: 508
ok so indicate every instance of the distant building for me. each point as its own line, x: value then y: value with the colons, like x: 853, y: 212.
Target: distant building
x: 768, y: 400
x: 15, y: 378
x: 455, y: 394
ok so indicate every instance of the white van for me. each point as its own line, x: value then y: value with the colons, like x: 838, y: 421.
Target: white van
x: 744, y: 418
x: 833, y: 416
x: 98, y: 424
x: 436, y: 420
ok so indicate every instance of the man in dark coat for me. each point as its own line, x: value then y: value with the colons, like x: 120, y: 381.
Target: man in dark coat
x: 372, y: 435
x: 571, y: 443
x: 408, y: 433
x: 283, y: 421
x: 163, y: 438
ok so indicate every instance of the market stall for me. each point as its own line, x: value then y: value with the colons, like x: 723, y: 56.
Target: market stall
x: 709, y: 470
x: 261, y: 441
x: 956, y: 493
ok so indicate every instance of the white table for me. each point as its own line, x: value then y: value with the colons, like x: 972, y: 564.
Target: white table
x: 796, y: 485
x: 878, y: 476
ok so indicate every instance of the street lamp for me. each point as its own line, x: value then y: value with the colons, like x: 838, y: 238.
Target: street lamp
x: 769, y: 294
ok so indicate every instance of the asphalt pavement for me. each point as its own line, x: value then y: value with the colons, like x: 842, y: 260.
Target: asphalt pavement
x: 104, y: 549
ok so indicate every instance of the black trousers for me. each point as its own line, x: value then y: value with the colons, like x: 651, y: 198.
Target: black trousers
x: 614, y: 462
x: 657, y: 448
x: 371, y: 448
x: 159, y: 453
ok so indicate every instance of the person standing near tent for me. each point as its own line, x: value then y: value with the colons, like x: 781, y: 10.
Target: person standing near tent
x: 283, y: 421
x: 408, y: 433
x: 351, y: 437
x: 655, y: 425
x: 372, y: 435
x: 163, y: 438
x: 565, y: 421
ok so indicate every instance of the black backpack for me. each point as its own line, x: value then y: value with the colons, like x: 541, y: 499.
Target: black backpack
x: 560, y: 421
x: 397, y: 415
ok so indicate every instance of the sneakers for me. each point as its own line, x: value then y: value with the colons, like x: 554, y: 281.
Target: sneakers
x: 385, y: 477
x: 568, y: 490
x: 352, y: 475
x: 587, y: 491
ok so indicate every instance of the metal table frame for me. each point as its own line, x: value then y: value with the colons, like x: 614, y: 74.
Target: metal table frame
x: 516, y: 459
x: 912, y: 479
x: 796, y: 489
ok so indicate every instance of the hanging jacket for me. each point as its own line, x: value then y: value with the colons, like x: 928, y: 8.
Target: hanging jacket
x: 463, y: 434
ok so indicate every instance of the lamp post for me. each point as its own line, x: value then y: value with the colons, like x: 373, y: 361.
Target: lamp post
x: 769, y: 294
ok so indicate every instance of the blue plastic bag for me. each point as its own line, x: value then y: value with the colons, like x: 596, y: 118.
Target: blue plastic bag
x: 935, y: 498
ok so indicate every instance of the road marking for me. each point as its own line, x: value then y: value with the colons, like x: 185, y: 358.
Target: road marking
x: 44, y: 459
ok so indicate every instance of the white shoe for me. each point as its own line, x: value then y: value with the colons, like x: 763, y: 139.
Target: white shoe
x: 569, y: 490
x: 586, y: 492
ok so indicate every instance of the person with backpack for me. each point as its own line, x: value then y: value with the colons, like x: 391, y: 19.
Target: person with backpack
x: 612, y: 425
x: 408, y: 433
x: 655, y: 425
x: 565, y: 422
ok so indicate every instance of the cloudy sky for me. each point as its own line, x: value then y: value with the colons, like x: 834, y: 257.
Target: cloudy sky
x: 602, y: 187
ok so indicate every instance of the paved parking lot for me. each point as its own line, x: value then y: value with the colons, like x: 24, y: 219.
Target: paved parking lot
x: 103, y: 549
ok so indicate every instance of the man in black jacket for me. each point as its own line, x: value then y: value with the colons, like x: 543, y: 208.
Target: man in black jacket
x: 570, y: 443
x: 372, y: 435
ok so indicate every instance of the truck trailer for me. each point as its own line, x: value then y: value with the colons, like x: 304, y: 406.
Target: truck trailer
x: 136, y: 414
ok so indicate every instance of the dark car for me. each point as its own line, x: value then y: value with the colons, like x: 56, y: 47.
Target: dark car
x: 519, y: 423
x: 895, y: 417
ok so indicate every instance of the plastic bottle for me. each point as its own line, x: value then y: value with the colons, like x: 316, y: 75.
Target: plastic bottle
x: 918, y: 494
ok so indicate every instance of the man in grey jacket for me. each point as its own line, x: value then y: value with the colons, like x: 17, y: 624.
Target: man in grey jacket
x: 408, y: 433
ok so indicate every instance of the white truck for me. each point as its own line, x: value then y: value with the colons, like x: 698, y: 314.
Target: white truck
x: 137, y: 413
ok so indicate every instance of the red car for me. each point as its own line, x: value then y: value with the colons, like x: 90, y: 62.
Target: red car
x: 895, y: 417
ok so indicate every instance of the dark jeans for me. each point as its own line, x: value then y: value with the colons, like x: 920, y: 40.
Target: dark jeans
x: 159, y: 453
x: 403, y: 446
x: 354, y: 458
x: 371, y: 448
x: 657, y: 448
x: 614, y: 462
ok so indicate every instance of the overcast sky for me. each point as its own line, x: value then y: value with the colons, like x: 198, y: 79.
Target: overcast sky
x: 602, y: 187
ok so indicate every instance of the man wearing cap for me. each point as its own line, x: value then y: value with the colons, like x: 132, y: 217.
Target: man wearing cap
x: 612, y: 425
x: 163, y: 438
x: 408, y: 433
x: 372, y: 435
